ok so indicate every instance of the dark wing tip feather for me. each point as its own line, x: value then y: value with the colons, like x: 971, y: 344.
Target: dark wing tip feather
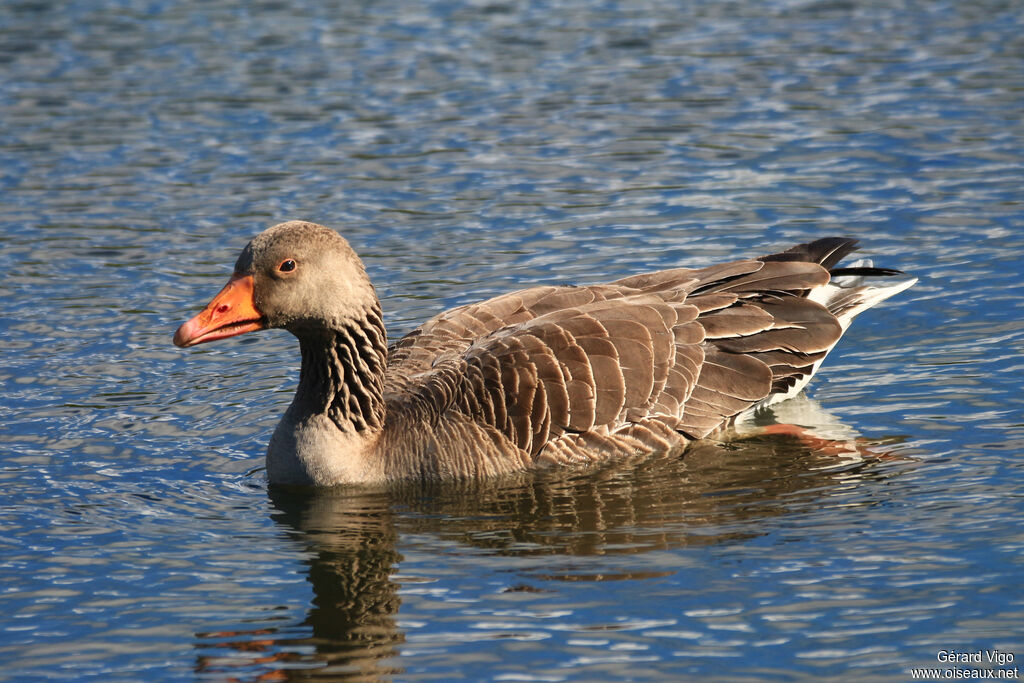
x: 864, y: 270
x: 827, y: 251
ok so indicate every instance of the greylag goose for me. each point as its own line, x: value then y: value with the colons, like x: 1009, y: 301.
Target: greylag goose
x: 544, y: 376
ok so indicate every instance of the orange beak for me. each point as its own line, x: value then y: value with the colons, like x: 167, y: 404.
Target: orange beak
x: 232, y: 312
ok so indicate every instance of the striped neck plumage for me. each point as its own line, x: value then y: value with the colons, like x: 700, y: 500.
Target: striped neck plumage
x: 343, y: 370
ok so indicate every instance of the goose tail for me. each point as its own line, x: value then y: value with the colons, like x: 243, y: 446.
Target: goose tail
x: 851, y: 290
x: 856, y: 288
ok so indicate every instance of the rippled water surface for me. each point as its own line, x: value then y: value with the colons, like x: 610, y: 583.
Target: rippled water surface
x: 466, y: 149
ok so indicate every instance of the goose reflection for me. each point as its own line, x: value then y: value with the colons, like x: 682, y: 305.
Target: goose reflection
x: 716, y: 494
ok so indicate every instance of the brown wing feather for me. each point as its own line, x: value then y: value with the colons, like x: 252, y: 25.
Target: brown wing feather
x: 598, y: 365
x: 728, y: 384
x: 773, y: 276
x: 762, y: 335
x: 799, y: 325
x: 454, y: 330
x: 673, y: 352
x: 827, y: 251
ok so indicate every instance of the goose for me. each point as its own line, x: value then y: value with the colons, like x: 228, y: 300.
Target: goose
x: 546, y: 376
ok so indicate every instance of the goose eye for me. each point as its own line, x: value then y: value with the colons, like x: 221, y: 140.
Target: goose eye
x: 287, y: 266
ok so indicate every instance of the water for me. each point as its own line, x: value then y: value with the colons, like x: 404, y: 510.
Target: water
x: 467, y: 149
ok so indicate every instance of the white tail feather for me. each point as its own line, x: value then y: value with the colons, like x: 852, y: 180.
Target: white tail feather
x: 846, y: 296
x: 854, y: 294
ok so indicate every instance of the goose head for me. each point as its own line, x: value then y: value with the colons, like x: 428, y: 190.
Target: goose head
x: 298, y: 276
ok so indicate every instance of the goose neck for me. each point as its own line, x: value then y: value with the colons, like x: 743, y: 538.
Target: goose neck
x: 342, y: 375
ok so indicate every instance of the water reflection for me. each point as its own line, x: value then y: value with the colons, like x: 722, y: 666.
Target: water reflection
x: 351, y: 537
x: 720, y: 492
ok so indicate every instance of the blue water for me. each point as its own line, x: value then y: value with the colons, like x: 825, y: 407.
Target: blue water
x: 467, y: 149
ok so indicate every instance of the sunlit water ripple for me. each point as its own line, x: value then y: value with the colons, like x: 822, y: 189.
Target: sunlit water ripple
x: 467, y: 149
